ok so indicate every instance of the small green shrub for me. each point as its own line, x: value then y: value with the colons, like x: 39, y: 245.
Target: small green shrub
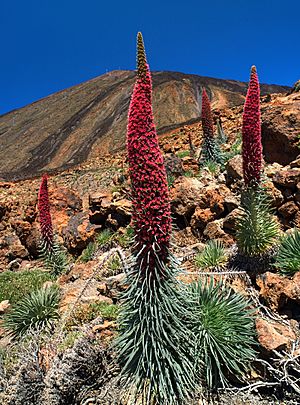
x: 183, y: 153
x: 87, y: 312
x: 102, y: 240
x: 213, y: 256
x: 221, y: 137
x: 9, y: 358
x: 224, y: 332
x: 170, y: 179
x: 88, y: 252
x: 288, y: 255
x: 212, y: 167
x: 69, y: 340
x: 236, y: 148
x: 104, y: 237
x: 188, y: 173
x: 257, y: 228
x: 125, y: 239
x: 106, y: 311
x: 14, y: 286
x: 113, y: 266
x: 36, y: 311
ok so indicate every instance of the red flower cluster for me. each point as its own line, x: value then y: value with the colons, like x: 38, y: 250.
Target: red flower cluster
x: 44, y: 212
x: 206, y: 116
x: 251, y: 132
x: 150, y: 197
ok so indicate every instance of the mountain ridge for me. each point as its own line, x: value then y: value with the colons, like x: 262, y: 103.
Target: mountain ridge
x: 287, y: 87
x: 67, y: 127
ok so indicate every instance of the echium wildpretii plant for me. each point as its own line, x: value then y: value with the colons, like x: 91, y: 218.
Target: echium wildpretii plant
x: 154, y: 348
x: 251, y: 133
x: 210, y: 149
x: 257, y: 229
x: 45, y: 215
x: 221, y: 136
x: 54, y: 258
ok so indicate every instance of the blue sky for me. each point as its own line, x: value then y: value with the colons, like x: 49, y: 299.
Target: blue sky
x: 48, y: 45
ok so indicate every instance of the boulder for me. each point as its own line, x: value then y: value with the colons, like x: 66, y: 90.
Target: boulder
x: 99, y: 205
x: 65, y: 199
x: 275, y: 195
x: 189, y: 193
x: 75, y: 282
x: 190, y: 164
x: 214, y: 197
x: 15, y: 248
x: 214, y: 230
x: 234, y: 169
x: 65, y: 203
x: 2, y: 210
x: 277, y: 290
x: 287, y: 178
x: 272, y: 289
x: 185, y: 196
x: 274, y: 335
x: 14, y: 265
x: 296, y: 220
x: 271, y: 169
x: 29, y: 235
x: 280, y: 130
x: 200, y: 204
x: 78, y: 233
x: 288, y: 210
x: 231, y: 202
x: 104, y: 209
x: 229, y: 222
x: 112, y: 286
x: 297, y: 194
x: 200, y: 218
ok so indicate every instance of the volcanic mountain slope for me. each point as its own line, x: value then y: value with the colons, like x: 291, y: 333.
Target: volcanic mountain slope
x: 90, y: 119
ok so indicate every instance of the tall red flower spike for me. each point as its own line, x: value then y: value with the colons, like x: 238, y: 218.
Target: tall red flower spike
x: 206, y: 116
x: 44, y: 212
x: 150, y: 196
x: 251, y: 133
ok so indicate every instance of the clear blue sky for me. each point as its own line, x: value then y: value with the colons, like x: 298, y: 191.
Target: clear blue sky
x: 48, y: 45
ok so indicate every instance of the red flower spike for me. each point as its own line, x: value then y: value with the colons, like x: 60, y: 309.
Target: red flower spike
x: 150, y: 197
x: 44, y: 213
x: 251, y: 133
x: 206, y: 116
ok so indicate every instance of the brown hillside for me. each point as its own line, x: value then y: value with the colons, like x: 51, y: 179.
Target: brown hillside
x: 90, y: 119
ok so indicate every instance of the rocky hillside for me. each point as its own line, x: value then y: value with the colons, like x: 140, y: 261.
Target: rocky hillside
x: 95, y: 193
x: 89, y: 119
x: 91, y: 211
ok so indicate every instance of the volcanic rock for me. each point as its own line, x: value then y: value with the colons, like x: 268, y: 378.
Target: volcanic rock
x: 288, y: 210
x: 277, y: 290
x: 274, y: 335
x: 78, y: 232
x: 230, y: 221
x: 280, y: 129
x: 234, y: 169
x: 104, y: 210
x: 287, y: 178
x: 185, y: 196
